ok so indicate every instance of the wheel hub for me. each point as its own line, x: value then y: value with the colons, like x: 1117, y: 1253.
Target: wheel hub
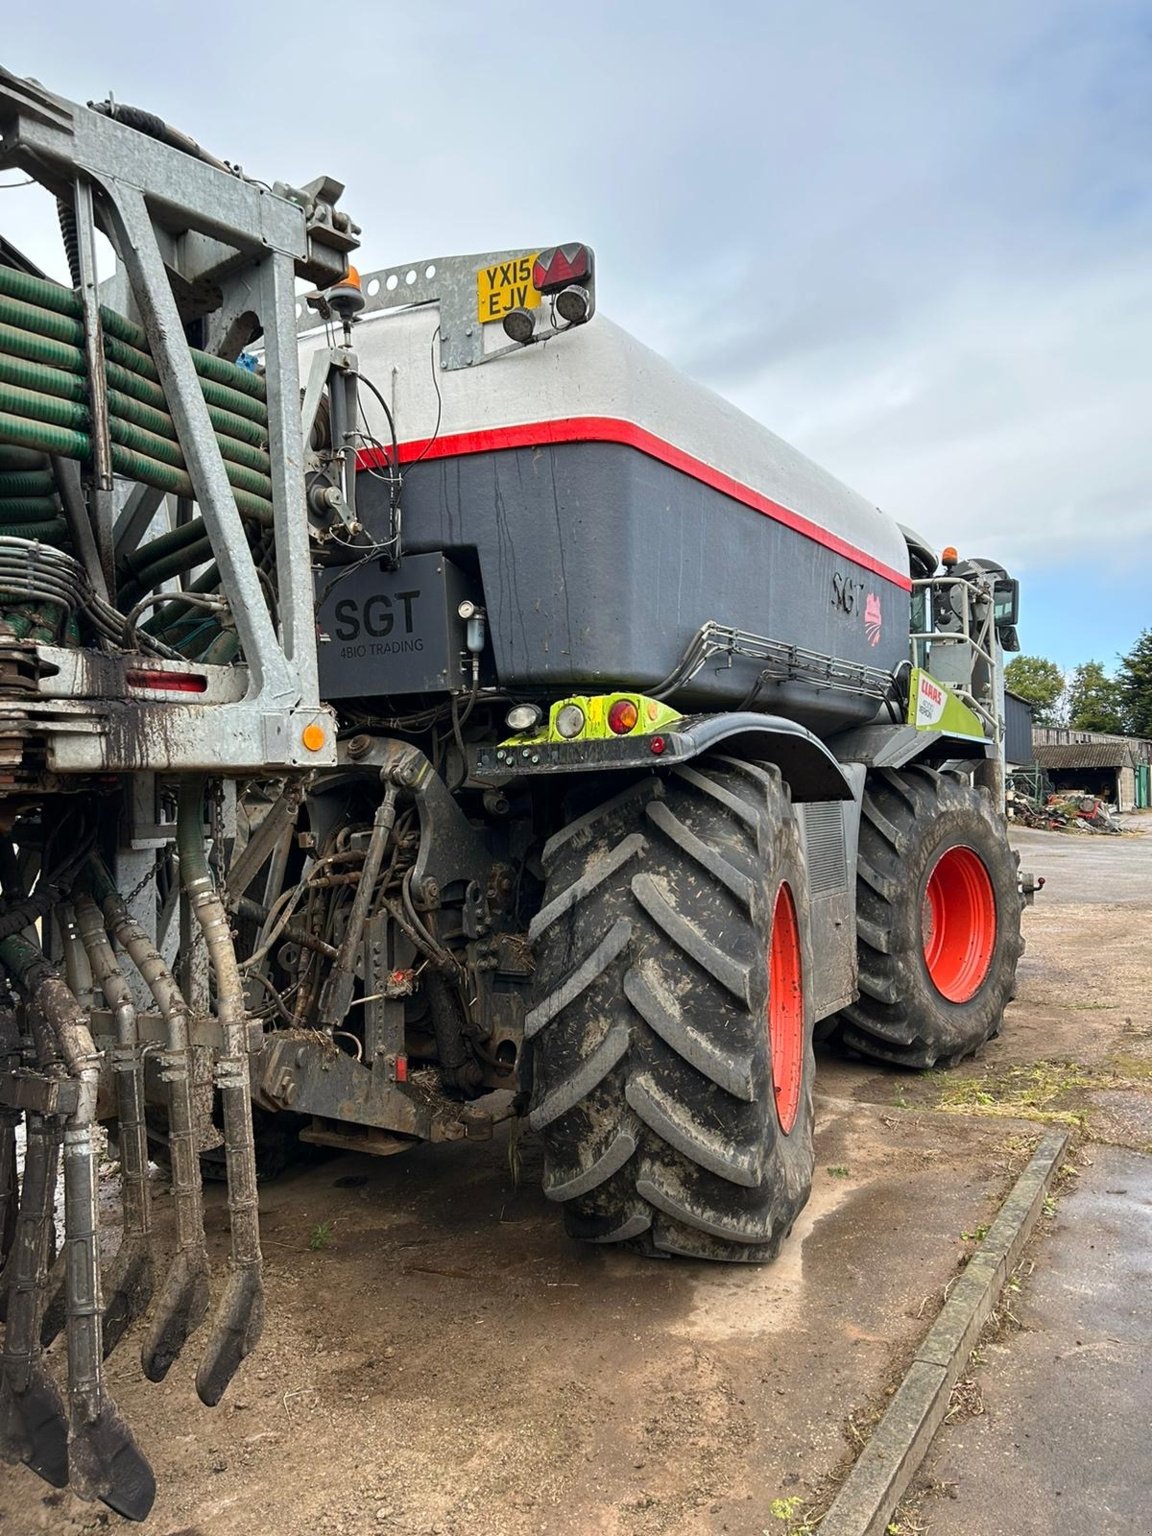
x: 958, y: 924
x: 785, y: 1009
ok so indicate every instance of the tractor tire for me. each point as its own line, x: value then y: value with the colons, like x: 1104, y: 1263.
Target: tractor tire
x: 671, y: 951
x: 937, y: 918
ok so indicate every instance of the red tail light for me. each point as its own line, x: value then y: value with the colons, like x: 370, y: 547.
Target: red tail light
x: 622, y: 717
x: 562, y: 265
x: 168, y: 682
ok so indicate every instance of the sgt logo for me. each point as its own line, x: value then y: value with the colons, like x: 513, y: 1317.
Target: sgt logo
x: 873, y: 618
x: 373, y: 620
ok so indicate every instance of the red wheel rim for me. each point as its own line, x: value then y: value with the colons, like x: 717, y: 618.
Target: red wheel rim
x: 785, y: 1009
x: 959, y: 924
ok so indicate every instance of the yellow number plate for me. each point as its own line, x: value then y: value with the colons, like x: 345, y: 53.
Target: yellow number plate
x: 505, y: 286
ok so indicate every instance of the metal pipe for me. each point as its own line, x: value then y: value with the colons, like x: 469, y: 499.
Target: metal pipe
x: 337, y: 994
x: 129, y: 1283
x: 33, y: 1423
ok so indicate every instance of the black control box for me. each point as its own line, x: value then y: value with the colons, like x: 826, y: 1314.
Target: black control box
x: 391, y: 632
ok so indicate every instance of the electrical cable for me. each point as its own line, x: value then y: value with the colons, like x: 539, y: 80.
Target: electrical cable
x: 439, y: 402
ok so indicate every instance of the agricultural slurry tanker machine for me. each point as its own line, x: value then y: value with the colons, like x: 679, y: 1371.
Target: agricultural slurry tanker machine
x: 419, y: 705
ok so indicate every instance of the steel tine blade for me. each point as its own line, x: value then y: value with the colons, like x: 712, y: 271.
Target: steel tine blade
x: 128, y: 1285
x: 33, y: 1426
x: 239, y: 1319
x: 129, y: 1280
x: 104, y: 1460
x: 184, y: 1297
x: 107, y: 1464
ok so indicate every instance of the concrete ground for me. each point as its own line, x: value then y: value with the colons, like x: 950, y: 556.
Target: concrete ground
x: 439, y: 1360
x: 1061, y: 1443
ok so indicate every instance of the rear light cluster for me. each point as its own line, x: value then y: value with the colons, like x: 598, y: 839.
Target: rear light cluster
x: 564, y: 274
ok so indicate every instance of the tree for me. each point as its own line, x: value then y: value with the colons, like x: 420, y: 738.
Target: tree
x: 1041, y: 682
x: 1094, y: 700
x: 1135, y: 685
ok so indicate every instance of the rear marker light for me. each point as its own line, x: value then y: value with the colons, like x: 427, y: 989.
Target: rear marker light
x: 657, y: 745
x: 167, y: 682
x: 401, y: 1069
x: 622, y: 717
x: 313, y: 737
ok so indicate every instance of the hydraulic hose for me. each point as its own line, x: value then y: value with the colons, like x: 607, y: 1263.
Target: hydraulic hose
x: 239, y: 1318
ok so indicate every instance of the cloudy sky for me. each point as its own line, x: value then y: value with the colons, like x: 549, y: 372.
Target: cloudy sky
x: 913, y: 238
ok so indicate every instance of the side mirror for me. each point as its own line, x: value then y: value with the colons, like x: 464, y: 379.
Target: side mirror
x: 1007, y: 600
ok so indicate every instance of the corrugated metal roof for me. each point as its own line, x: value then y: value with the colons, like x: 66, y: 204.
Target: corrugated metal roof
x: 1087, y: 754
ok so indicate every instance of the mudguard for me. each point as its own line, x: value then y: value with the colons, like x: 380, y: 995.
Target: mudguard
x: 808, y: 767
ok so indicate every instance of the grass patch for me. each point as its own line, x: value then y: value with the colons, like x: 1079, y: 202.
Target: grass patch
x: 1129, y: 1069
x: 839, y: 1171
x: 1033, y: 1092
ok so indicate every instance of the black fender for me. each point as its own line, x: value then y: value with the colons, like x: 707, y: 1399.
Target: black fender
x: 898, y: 746
x: 808, y: 767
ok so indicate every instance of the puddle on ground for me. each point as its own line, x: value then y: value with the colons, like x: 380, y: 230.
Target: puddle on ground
x: 732, y: 1300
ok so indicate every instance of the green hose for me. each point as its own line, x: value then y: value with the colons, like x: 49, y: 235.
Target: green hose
x: 53, y: 432
x: 53, y: 531
x: 58, y: 331
x: 27, y: 509
x: 20, y: 458
x: 45, y: 411
x: 175, y: 564
x: 40, y: 293
x: 26, y: 483
x: 20, y: 374
x: 164, y: 544
x: 249, y: 426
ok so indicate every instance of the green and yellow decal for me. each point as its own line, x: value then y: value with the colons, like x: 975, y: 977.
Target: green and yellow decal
x: 932, y: 706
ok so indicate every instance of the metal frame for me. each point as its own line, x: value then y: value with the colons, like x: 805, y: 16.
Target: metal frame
x: 169, y: 213
x: 451, y: 285
x: 983, y: 691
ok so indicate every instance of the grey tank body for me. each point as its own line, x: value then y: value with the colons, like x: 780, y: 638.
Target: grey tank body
x: 608, y: 508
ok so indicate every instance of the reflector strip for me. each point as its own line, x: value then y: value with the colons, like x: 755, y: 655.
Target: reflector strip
x: 609, y: 429
x: 167, y: 682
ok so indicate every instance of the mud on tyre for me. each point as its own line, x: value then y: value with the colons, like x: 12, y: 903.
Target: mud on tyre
x: 664, y: 1125
x: 938, y: 920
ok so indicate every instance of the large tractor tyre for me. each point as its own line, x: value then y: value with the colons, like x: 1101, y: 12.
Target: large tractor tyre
x: 938, y: 920
x: 671, y: 1042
